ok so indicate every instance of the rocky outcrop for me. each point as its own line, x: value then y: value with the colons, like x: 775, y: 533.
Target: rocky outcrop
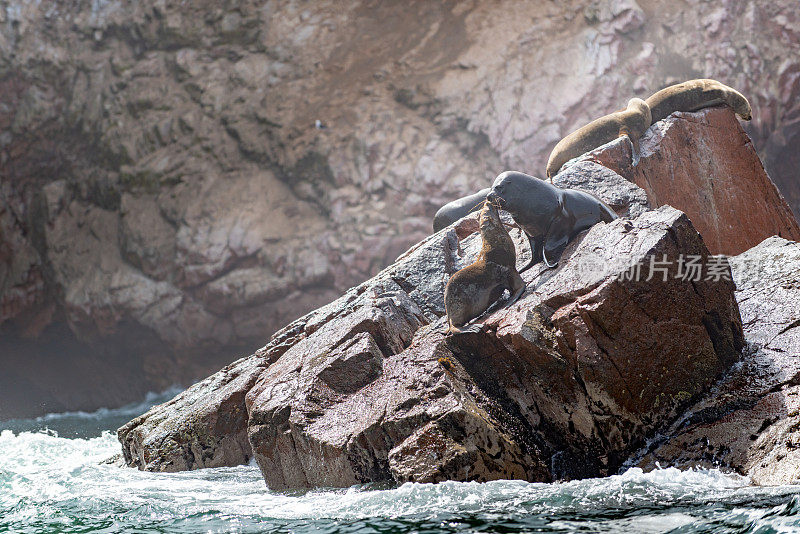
x: 631, y: 352
x: 566, y: 383
x: 166, y: 201
x: 705, y: 164
x: 751, y: 420
x: 213, y: 436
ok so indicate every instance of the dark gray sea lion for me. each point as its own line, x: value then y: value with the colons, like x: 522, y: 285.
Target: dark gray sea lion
x: 473, y: 289
x: 695, y: 95
x: 549, y: 215
x: 453, y: 211
x: 631, y: 122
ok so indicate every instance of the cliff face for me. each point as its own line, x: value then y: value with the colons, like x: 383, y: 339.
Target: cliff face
x: 168, y: 201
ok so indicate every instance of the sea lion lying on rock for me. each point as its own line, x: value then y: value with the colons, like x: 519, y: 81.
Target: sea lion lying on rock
x: 453, y: 211
x: 549, y: 215
x: 632, y: 122
x: 695, y: 95
x: 471, y: 291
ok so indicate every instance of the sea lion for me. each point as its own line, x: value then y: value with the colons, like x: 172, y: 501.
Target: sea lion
x: 695, y: 95
x: 549, y: 215
x: 453, y: 211
x: 473, y: 289
x: 631, y: 122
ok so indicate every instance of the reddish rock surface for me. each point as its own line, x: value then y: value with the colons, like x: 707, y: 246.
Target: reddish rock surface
x: 705, y: 165
x: 166, y: 202
x: 750, y: 422
x: 566, y: 383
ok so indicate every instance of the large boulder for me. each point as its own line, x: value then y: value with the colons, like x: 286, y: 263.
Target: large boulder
x: 595, y: 358
x: 704, y: 164
x: 751, y: 420
x: 213, y: 436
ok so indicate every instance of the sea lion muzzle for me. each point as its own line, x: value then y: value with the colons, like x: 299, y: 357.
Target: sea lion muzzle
x: 495, y: 199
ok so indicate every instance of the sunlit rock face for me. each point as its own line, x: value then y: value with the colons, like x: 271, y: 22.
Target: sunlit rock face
x: 750, y: 422
x: 704, y: 164
x: 169, y: 199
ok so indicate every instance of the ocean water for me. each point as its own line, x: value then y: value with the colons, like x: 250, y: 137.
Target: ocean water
x: 53, y: 479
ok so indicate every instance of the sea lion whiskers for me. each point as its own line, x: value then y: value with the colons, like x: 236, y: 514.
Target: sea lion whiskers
x: 480, y: 204
x: 495, y: 202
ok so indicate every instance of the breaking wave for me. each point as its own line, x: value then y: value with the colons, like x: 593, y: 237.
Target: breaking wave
x: 50, y: 483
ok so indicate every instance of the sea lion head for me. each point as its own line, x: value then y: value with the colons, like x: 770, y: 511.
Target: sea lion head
x: 490, y: 218
x: 742, y: 108
x: 643, y: 110
x: 529, y: 200
x: 638, y: 104
x: 509, y: 186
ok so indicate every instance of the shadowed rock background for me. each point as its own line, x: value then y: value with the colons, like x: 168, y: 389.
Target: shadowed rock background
x: 167, y: 203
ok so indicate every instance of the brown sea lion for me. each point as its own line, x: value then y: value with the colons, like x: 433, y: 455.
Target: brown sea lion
x: 473, y: 289
x: 631, y: 122
x: 695, y: 95
x: 549, y: 215
x: 453, y: 211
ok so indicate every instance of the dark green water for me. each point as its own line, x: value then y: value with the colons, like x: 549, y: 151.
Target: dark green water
x: 55, y: 481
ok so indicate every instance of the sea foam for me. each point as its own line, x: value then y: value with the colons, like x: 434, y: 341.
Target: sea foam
x: 51, y: 483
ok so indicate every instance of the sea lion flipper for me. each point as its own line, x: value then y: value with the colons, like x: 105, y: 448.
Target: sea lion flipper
x: 635, y: 148
x: 556, y: 241
x: 517, y: 287
x: 474, y: 328
x: 536, y: 251
x: 451, y: 329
